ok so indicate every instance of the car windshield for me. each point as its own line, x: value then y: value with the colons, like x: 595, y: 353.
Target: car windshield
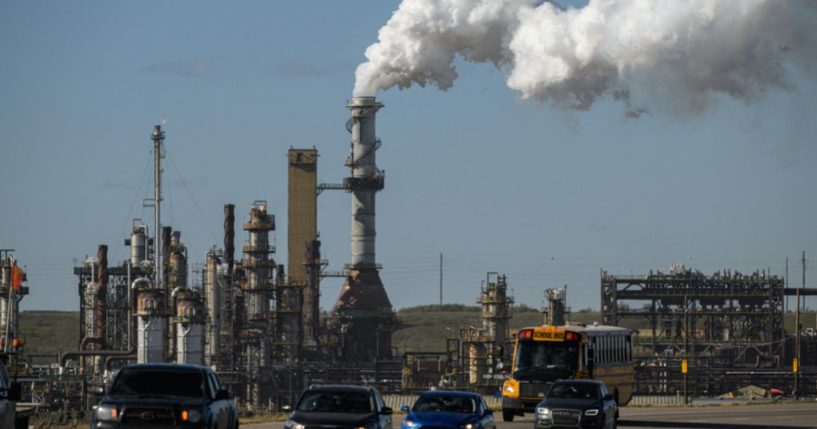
x: 451, y: 404
x: 159, y: 382
x: 546, y: 355
x: 336, y: 402
x: 574, y: 391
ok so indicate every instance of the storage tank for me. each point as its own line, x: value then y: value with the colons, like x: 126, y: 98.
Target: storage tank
x: 189, y: 329
x: 151, y: 326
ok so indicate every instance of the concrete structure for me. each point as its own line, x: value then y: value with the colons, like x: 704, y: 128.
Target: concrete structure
x: 302, y: 230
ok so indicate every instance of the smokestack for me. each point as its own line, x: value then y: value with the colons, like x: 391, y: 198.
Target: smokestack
x: 366, y: 179
x: 101, y: 295
x: 229, y: 235
x: 363, y: 306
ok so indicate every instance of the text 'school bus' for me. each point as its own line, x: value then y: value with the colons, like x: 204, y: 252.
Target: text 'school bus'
x: 543, y: 354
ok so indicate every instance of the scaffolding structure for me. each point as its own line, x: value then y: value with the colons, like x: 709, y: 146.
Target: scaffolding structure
x: 727, y: 326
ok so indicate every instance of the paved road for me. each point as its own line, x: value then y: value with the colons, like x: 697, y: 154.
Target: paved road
x: 725, y: 417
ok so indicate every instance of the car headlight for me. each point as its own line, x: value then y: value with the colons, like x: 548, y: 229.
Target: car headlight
x: 370, y: 425
x: 290, y: 424
x: 591, y: 412
x: 509, y: 388
x: 191, y: 416
x: 542, y: 411
x: 410, y: 423
x: 467, y: 426
x: 107, y: 413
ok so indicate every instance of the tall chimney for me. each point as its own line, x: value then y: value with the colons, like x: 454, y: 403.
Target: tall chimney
x: 100, y: 303
x: 364, y: 311
x: 229, y: 236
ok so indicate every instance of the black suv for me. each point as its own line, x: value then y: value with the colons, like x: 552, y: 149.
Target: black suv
x: 577, y: 403
x: 339, y: 407
x: 166, y: 396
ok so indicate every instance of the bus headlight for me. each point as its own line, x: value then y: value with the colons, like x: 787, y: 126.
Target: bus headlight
x: 510, y: 388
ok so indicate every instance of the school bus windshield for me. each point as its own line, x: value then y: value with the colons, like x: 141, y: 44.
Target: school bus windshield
x: 545, y: 356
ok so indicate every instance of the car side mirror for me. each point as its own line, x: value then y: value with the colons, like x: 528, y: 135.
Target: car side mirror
x: 15, y: 392
x: 386, y: 411
x: 287, y: 408
x: 222, y: 394
x: 608, y: 397
x: 489, y: 412
x: 404, y: 408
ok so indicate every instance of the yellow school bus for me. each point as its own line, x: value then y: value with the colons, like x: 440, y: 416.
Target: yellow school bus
x: 543, y: 354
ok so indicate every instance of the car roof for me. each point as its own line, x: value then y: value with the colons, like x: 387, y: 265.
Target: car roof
x: 341, y: 388
x: 594, y: 382
x: 167, y: 366
x: 454, y: 393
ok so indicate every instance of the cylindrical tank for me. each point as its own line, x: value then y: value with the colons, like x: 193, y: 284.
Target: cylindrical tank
x: 476, y: 362
x: 189, y: 330
x: 138, y: 245
x: 5, y: 283
x: 152, y: 326
x: 178, y: 269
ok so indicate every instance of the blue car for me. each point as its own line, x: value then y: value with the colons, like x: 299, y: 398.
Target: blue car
x: 447, y: 409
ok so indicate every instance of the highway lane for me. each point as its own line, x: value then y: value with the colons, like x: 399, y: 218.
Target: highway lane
x: 787, y: 415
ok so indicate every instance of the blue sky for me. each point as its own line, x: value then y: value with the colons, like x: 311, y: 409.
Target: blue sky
x: 547, y: 196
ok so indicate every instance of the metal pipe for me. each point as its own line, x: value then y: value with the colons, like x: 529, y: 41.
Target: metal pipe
x: 158, y: 137
x: 101, y: 299
x: 366, y: 179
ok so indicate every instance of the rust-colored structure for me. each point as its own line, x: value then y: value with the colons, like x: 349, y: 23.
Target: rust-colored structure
x: 302, y: 231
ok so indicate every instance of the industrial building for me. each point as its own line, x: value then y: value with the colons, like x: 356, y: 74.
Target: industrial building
x: 728, y: 327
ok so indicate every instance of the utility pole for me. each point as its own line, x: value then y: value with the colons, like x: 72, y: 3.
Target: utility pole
x: 786, y: 297
x: 685, y: 362
x: 804, y: 279
x: 796, y: 363
x: 441, y: 278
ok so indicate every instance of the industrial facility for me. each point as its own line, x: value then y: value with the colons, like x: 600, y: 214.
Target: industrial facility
x: 258, y: 322
x: 250, y: 318
x: 728, y: 327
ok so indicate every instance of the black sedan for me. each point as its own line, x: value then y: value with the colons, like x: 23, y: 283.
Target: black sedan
x: 577, y: 403
x: 166, y: 395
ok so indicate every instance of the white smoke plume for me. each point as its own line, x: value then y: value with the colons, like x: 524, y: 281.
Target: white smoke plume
x: 677, y: 51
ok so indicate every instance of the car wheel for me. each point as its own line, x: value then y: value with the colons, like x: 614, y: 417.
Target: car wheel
x: 507, y: 416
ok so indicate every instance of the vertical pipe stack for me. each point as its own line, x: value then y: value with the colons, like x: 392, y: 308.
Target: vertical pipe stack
x: 363, y: 309
x: 228, y: 292
x: 212, y: 299
x: 256, y: 289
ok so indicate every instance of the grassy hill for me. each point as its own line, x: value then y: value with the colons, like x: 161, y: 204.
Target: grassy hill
x: 49, y: 333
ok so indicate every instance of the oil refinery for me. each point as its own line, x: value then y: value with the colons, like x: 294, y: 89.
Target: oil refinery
x: 257, y: 322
